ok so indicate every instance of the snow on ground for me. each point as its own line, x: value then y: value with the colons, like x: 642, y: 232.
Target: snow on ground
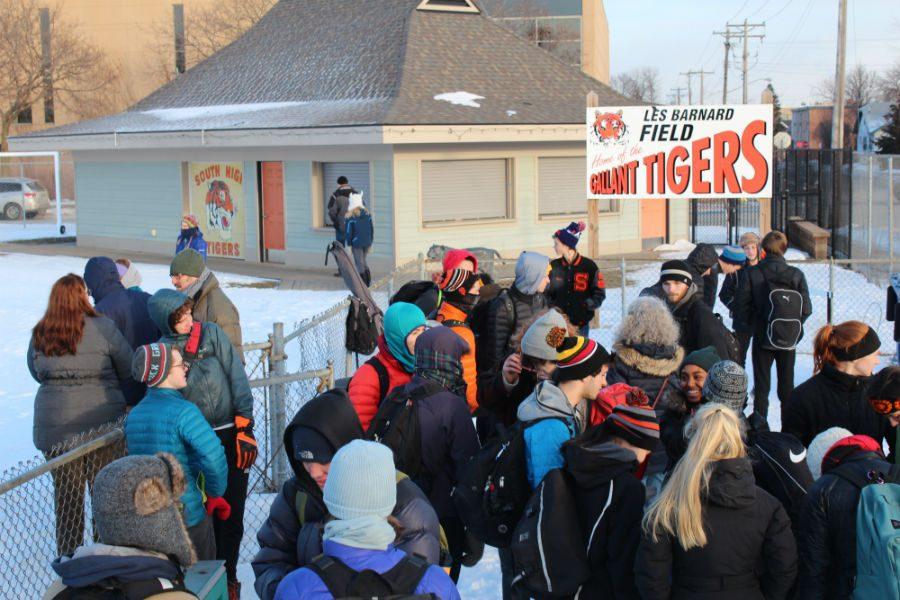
x: 461, y: 99
x: 16, y: 231
x: 30, y: 278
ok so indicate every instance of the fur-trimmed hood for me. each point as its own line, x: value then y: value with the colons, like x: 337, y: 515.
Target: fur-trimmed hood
x: 649, y: 323
x: 658, y: 361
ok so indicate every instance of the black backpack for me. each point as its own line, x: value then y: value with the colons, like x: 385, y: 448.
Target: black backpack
x: 549, y: 556
x: 398, y: 583
x: 424, y: 294
x: 362, y: 330
x: 784, y: 318
x: 493, y: 490
x: 396, y: 425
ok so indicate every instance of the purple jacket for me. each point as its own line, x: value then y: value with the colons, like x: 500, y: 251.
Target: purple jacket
x: 303, y: 584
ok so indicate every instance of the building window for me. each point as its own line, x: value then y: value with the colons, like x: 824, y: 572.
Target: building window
x: 357, y: 174
x: 47, y: 66
x: 178, y: 28
x: 466, y: 190
x: 562, y: 190
x: 24, y: 117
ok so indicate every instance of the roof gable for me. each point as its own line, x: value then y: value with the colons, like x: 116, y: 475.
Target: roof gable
x: 449, y: 6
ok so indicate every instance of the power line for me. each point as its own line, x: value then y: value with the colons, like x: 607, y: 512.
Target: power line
x: 783, y: 8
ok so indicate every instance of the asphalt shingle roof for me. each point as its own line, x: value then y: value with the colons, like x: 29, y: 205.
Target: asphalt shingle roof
x: 319, y: 63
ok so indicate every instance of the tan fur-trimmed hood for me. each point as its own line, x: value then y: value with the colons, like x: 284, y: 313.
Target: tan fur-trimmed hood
x: 655, y: 366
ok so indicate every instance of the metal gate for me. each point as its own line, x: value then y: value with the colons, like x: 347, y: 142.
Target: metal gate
x: 815, y: 185
x: 723, y: 220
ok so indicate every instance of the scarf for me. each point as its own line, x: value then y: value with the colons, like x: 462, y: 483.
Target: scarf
x: 192, y: 290
x: 442, y: 369
x: 370, y: 533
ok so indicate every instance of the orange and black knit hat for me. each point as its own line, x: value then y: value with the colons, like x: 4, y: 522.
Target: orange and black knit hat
x: 579, y: 358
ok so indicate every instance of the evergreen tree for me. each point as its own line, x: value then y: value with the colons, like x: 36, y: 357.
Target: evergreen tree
x: 889, y: 140
x: 780, y: 125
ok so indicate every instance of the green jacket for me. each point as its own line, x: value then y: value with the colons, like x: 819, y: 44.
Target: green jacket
x: 211, y: 305
x: 217, y: 383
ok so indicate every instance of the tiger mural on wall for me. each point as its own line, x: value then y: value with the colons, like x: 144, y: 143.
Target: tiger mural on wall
x: 220, y: 208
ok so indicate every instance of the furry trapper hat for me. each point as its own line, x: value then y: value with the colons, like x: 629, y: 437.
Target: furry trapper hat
x: 647, y: 338
x: 135, y: 502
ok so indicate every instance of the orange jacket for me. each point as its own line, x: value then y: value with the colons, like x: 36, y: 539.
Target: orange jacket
x: 448, y: 312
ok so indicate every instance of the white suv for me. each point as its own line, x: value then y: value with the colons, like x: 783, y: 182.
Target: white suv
x: 20, y: 193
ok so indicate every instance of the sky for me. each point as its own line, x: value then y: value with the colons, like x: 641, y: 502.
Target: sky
x: 798, y: 51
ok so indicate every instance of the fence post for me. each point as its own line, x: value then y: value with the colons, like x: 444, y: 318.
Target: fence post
x: 277, y: 409
x: 420, y: 262
x: 869, y: 215
x: 622, y: 273
x: 890, y: 203
x: 391, y: 284
x: 830, y: 297
x: 330, y: 368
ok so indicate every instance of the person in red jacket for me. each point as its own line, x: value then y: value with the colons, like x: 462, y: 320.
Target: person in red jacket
x: 392, y: 366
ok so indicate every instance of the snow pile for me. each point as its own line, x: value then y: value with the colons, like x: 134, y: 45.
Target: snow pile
x: 219, y: 110
x: 679, y: 246
x: 15, y: 232
x: 461, y: 99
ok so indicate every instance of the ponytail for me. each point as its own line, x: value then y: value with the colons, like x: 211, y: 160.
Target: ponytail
x: 715, y: 434
x: 832, y: 339
x: 822, y: 353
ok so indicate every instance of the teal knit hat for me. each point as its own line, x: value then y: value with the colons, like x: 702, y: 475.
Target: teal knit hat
x: 400, y: 319
x: 704, y: 358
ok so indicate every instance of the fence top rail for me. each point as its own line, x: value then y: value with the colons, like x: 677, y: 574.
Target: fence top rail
x: 308, y: 324
x: 104, y: 440
x: 291, y: 378
x: 256, y: 346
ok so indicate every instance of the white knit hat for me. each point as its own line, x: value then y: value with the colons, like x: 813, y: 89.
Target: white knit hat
x: 362, y: 481
x: 356, y: 201
x: 820, y: 445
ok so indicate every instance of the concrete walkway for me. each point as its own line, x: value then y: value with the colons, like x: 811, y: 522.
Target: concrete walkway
x: 288, y: 278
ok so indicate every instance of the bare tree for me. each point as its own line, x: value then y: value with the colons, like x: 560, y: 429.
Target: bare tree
x: 75, y: 72
x: 641, y: 83
x: 862, y: 87
x: 210, y: 28
x: 889, y: 84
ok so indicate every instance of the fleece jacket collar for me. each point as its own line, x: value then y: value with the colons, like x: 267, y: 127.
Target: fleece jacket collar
x: 90, y: 565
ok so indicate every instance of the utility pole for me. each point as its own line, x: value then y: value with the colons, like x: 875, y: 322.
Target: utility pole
x: 727, y: 35
x: 837, y: 116
x: 744, y: 30
x: 690, y: 87
x: 676, y: 92
x: 690, y: 74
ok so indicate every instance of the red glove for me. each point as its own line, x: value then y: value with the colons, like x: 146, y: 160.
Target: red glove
x: 218, y: 507
x: 246, y: 443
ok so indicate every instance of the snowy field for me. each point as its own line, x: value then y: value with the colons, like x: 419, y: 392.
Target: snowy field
x: 30, y: 278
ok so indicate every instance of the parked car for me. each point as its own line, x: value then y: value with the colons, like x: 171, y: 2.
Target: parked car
x: 20, y: 193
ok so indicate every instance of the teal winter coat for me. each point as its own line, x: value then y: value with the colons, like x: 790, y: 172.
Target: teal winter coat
x: 165, y: 422
x: 217, y: 383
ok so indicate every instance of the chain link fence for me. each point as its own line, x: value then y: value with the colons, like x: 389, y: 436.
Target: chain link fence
x: 44, y: 505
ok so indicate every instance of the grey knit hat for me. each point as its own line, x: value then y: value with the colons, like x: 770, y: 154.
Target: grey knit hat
x: 136, y: 503
x: 726, y: 383
x: 544, y: 336
x: 187, y: 262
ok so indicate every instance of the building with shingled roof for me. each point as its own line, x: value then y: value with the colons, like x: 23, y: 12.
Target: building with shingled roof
x: 456, y: 131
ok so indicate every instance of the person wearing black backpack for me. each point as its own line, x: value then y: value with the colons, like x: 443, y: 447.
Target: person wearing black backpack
x: 828, y: 534
x: 774, y: 300
x: 359, y: 559
x: 292, y: 534
x: 429, y: 427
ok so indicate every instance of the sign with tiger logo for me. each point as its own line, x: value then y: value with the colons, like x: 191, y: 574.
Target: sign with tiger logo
x: 679, y: 151
x: 217, y: 199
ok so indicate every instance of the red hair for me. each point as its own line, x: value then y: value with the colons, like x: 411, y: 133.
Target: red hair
x: 60, y: 330
x: 836, y: 337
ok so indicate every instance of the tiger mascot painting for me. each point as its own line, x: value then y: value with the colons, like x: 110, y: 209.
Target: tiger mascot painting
x: 220, y: 208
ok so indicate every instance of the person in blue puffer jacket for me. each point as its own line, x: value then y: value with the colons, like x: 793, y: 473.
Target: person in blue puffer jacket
x: 557, y: 409
x: 165, y: 422
x: 191, y: 236
x: 360, y: 235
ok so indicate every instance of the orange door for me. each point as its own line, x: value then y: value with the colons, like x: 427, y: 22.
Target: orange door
x: 273, y: 205
x: 653, y: 218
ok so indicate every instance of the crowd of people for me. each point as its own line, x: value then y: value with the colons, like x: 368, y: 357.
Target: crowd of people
x: 487, y: 416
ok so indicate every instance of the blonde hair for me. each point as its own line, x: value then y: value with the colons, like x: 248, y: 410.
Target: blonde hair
x: 357, y: 211
x: 715, y: 434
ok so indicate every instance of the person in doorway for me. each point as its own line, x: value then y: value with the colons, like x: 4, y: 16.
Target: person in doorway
x: 291, y: 537
x: 609, y: 498
x: 164, y: 421
x: 361, y: 493
x: 576, y: 286
x: 191, y: 277
x: 81, y: 362
x: 360, y: 235
x: 394, y: 363
x: 190, y: 236
x: 218, y: 385
x: 699, y: 326
x: 743, y: 332
x: 460, y: 287
x: 338, y: 204
x: 142, y: 545
x: 712, y: 532
x: 844, y: 358
x: 557, y: 409
x: 753, y: 305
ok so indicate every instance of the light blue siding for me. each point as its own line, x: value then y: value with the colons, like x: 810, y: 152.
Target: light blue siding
x: 129, y: 200
x: 383, y: 209
x: 251, y: 205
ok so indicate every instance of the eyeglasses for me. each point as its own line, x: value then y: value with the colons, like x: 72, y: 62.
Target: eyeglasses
x: 182, y: 365
x: 885, y: 407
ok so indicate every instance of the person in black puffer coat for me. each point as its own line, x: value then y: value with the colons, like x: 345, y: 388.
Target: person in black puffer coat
x: 728, y: 540
x: 292, y: 535
x: 828, y: 520
x: 610, y: 498
x: 844, y: 356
